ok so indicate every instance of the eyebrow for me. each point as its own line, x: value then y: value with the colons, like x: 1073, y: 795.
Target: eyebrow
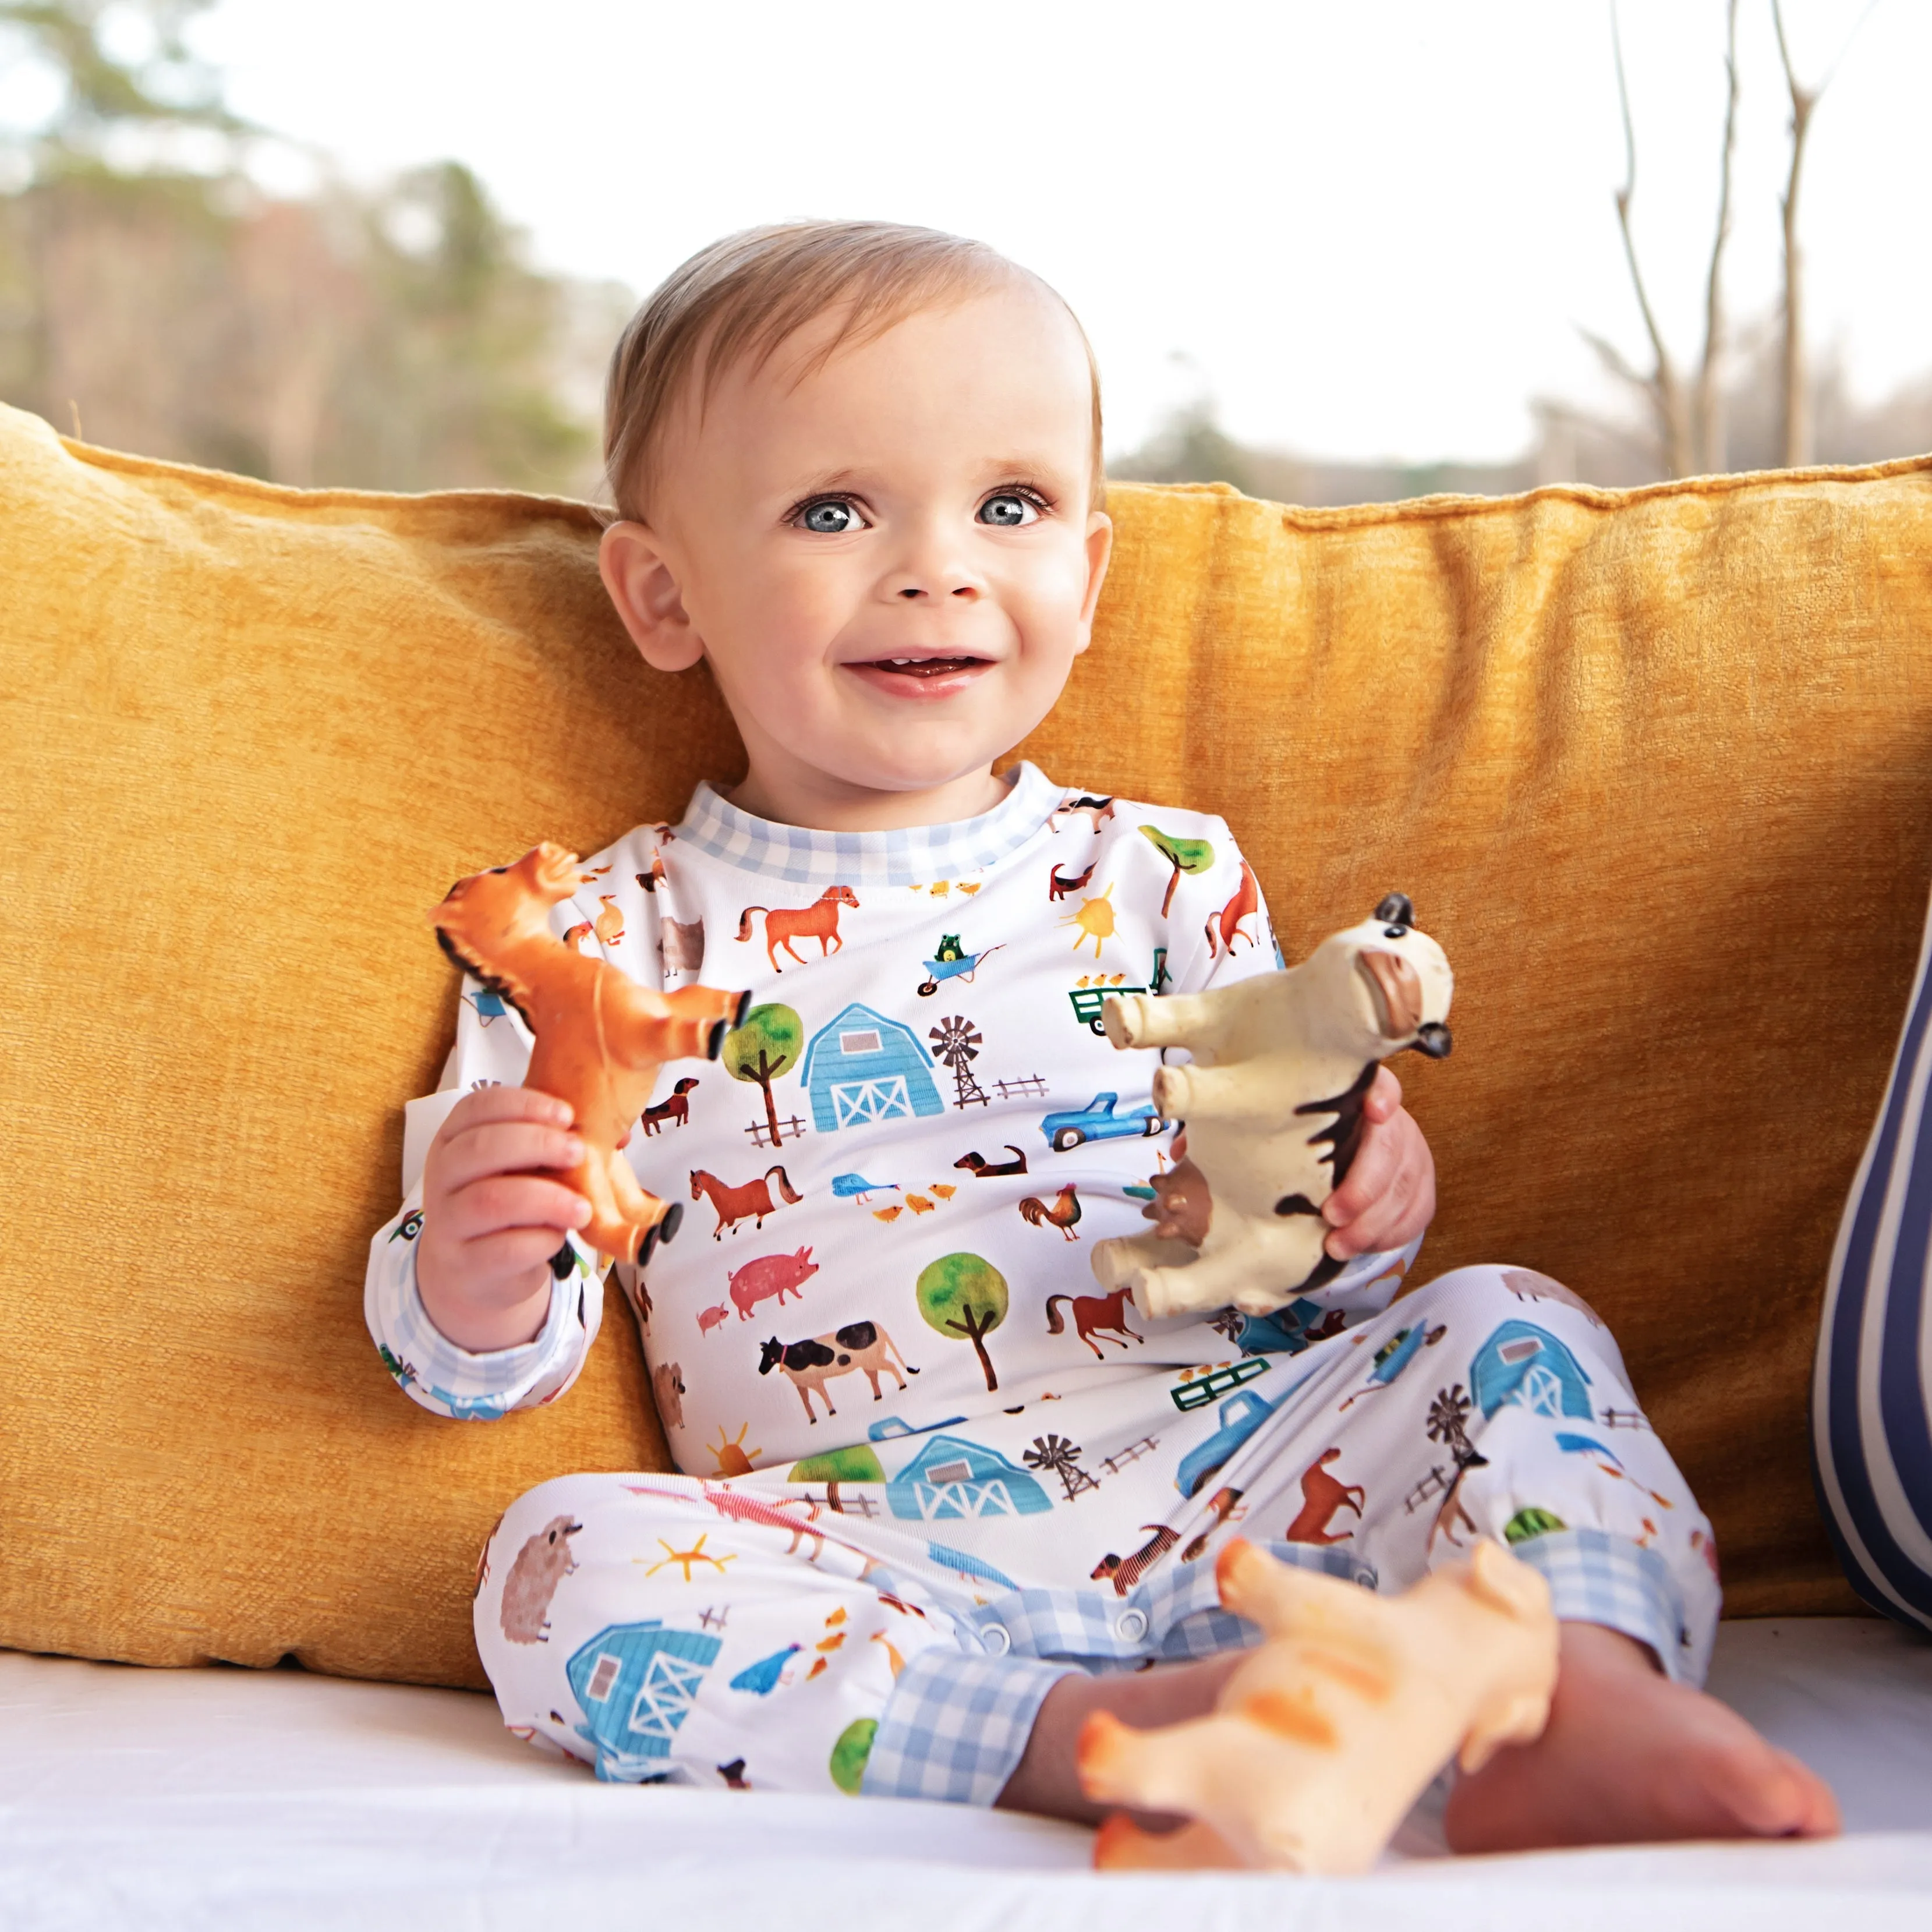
x: 831, y: 482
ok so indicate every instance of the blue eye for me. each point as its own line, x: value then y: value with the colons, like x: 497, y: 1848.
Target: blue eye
x: 1009, y: 509
x: 830, y: 516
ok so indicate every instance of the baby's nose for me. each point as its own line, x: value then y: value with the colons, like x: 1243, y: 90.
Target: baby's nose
x: 961, y: 586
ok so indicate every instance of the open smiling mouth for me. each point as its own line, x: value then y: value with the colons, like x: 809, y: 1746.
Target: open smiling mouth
x: 924, y: 667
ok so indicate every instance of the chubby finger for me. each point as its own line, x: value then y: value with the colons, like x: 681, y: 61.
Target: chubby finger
x: 1383, y: 1100
x: 1374, y: 1166
x: 505, y: 1103
x: 513, y: 1201
x: 1391, y: 1221
x: 1401, y: 1213
x: 504, y: 1147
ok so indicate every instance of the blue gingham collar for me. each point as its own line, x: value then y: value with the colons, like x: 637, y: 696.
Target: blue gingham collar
x: 915, y: 855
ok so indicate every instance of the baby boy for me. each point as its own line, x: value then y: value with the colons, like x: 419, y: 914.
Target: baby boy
x: 943, y: 1498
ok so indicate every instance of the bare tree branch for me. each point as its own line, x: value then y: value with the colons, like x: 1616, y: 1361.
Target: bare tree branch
x: 1797, y: 394
x: 1711, y: 452
x: 1666, y: 392
x: 1798, y: 438
x: 1618, y: 363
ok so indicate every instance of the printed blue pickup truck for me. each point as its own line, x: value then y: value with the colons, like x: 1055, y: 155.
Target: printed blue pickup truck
x: 1098, y: 1121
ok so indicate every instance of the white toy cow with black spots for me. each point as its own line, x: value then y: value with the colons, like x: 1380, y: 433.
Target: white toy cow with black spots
x: 1273, y: 1104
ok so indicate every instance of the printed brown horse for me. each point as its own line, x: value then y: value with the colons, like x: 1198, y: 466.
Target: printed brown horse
x: 601, y: 1037
x: 1321, y: 1495
x: 1094, y: 1315
x: 818, y: 921
x: 1220, y: 1507
x: 751, y: 1200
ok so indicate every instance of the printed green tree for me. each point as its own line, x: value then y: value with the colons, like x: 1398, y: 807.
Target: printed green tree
x: 858, y: 1463
x: 964, y: 1295
x: 1184, y: 855
x: 767, y: 1046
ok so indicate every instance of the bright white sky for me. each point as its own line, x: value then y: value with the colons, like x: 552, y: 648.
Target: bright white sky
x: 1369, y: 228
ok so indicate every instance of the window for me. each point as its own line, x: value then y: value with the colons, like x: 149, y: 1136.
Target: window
x: 602, y: 1677
x: 949, y: 1472
x: 865, y: 1042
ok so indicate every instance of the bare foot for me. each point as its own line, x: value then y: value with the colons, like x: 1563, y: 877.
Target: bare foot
x: 1629, y: 1756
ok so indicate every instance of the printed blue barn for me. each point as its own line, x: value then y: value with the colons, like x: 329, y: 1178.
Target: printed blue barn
x: 635, y: 1683
x: 1522, y: 1363
x: 951, y: 1477
x: 863, y: 1066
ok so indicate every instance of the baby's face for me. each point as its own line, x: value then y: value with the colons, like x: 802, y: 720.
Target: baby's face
x: 891, y: 562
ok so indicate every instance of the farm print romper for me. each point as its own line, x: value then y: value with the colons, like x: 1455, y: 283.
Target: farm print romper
x: 929, y: 1466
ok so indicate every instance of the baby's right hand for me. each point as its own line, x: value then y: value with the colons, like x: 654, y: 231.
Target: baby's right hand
x: 492, y: 1219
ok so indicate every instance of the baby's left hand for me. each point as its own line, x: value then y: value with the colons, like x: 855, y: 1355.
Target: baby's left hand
x: 1389, y: 1198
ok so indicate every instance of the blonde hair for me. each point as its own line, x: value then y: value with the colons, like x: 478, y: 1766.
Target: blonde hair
x: 740, y: 299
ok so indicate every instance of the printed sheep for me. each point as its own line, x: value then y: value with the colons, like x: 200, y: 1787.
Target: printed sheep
x: 1325, y: 1735
x: 1273, y: 1104
x: 541, y: 1564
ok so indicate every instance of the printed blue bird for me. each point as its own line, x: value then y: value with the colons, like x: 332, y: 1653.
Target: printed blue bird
x: 844, y: 1186
x: 762, y: 1677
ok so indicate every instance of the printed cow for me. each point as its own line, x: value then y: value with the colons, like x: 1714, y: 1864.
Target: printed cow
x: 812, y: 1364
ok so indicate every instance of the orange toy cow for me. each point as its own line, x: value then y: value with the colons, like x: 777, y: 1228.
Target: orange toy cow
x: 601, y: 1037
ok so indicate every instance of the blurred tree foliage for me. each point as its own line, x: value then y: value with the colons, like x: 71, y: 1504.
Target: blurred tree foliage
x: 153, y: 296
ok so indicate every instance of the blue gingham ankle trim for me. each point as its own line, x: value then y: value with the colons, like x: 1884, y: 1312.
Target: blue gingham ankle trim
x: 915, y: 855
x: 956, y: 1726
x: 958, y: 1721
x: 1596, y: 1578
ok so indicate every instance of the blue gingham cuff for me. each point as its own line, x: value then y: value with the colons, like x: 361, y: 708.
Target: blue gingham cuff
x: 956, y: 1725
x: 1596, y: 1578
x: 433, y: 1371
x: 1176, y: 1614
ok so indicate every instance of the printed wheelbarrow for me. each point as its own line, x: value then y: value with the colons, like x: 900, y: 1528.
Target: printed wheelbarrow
x: 963, y: 968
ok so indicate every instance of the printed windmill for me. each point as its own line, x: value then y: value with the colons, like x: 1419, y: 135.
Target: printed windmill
x: 957, y: 1045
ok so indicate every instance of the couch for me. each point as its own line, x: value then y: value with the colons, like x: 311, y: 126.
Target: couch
x: 1653, y: 766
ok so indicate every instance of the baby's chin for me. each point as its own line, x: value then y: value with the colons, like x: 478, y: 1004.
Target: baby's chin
x: 899, y: 772
x: 920, y: 752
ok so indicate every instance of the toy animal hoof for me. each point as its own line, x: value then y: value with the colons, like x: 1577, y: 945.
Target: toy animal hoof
x: 1120, y: 1845
x: 667, y: 1229
x: 1112, y: 1268
x: 563, y: 1261
x: 1121, y: 1020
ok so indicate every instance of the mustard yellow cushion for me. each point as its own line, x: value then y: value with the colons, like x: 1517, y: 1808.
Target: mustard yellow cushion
x: 1653, y: 767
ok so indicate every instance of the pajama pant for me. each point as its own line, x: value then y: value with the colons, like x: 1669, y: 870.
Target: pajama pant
x: 1871, y: 1414
x: 899, y: 1637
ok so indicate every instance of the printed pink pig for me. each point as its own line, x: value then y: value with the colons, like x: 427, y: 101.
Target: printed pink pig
x: 780, y: 1275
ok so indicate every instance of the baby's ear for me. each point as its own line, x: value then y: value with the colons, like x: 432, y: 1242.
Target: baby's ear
x: 639, y: 578
x: 1100, y: 548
